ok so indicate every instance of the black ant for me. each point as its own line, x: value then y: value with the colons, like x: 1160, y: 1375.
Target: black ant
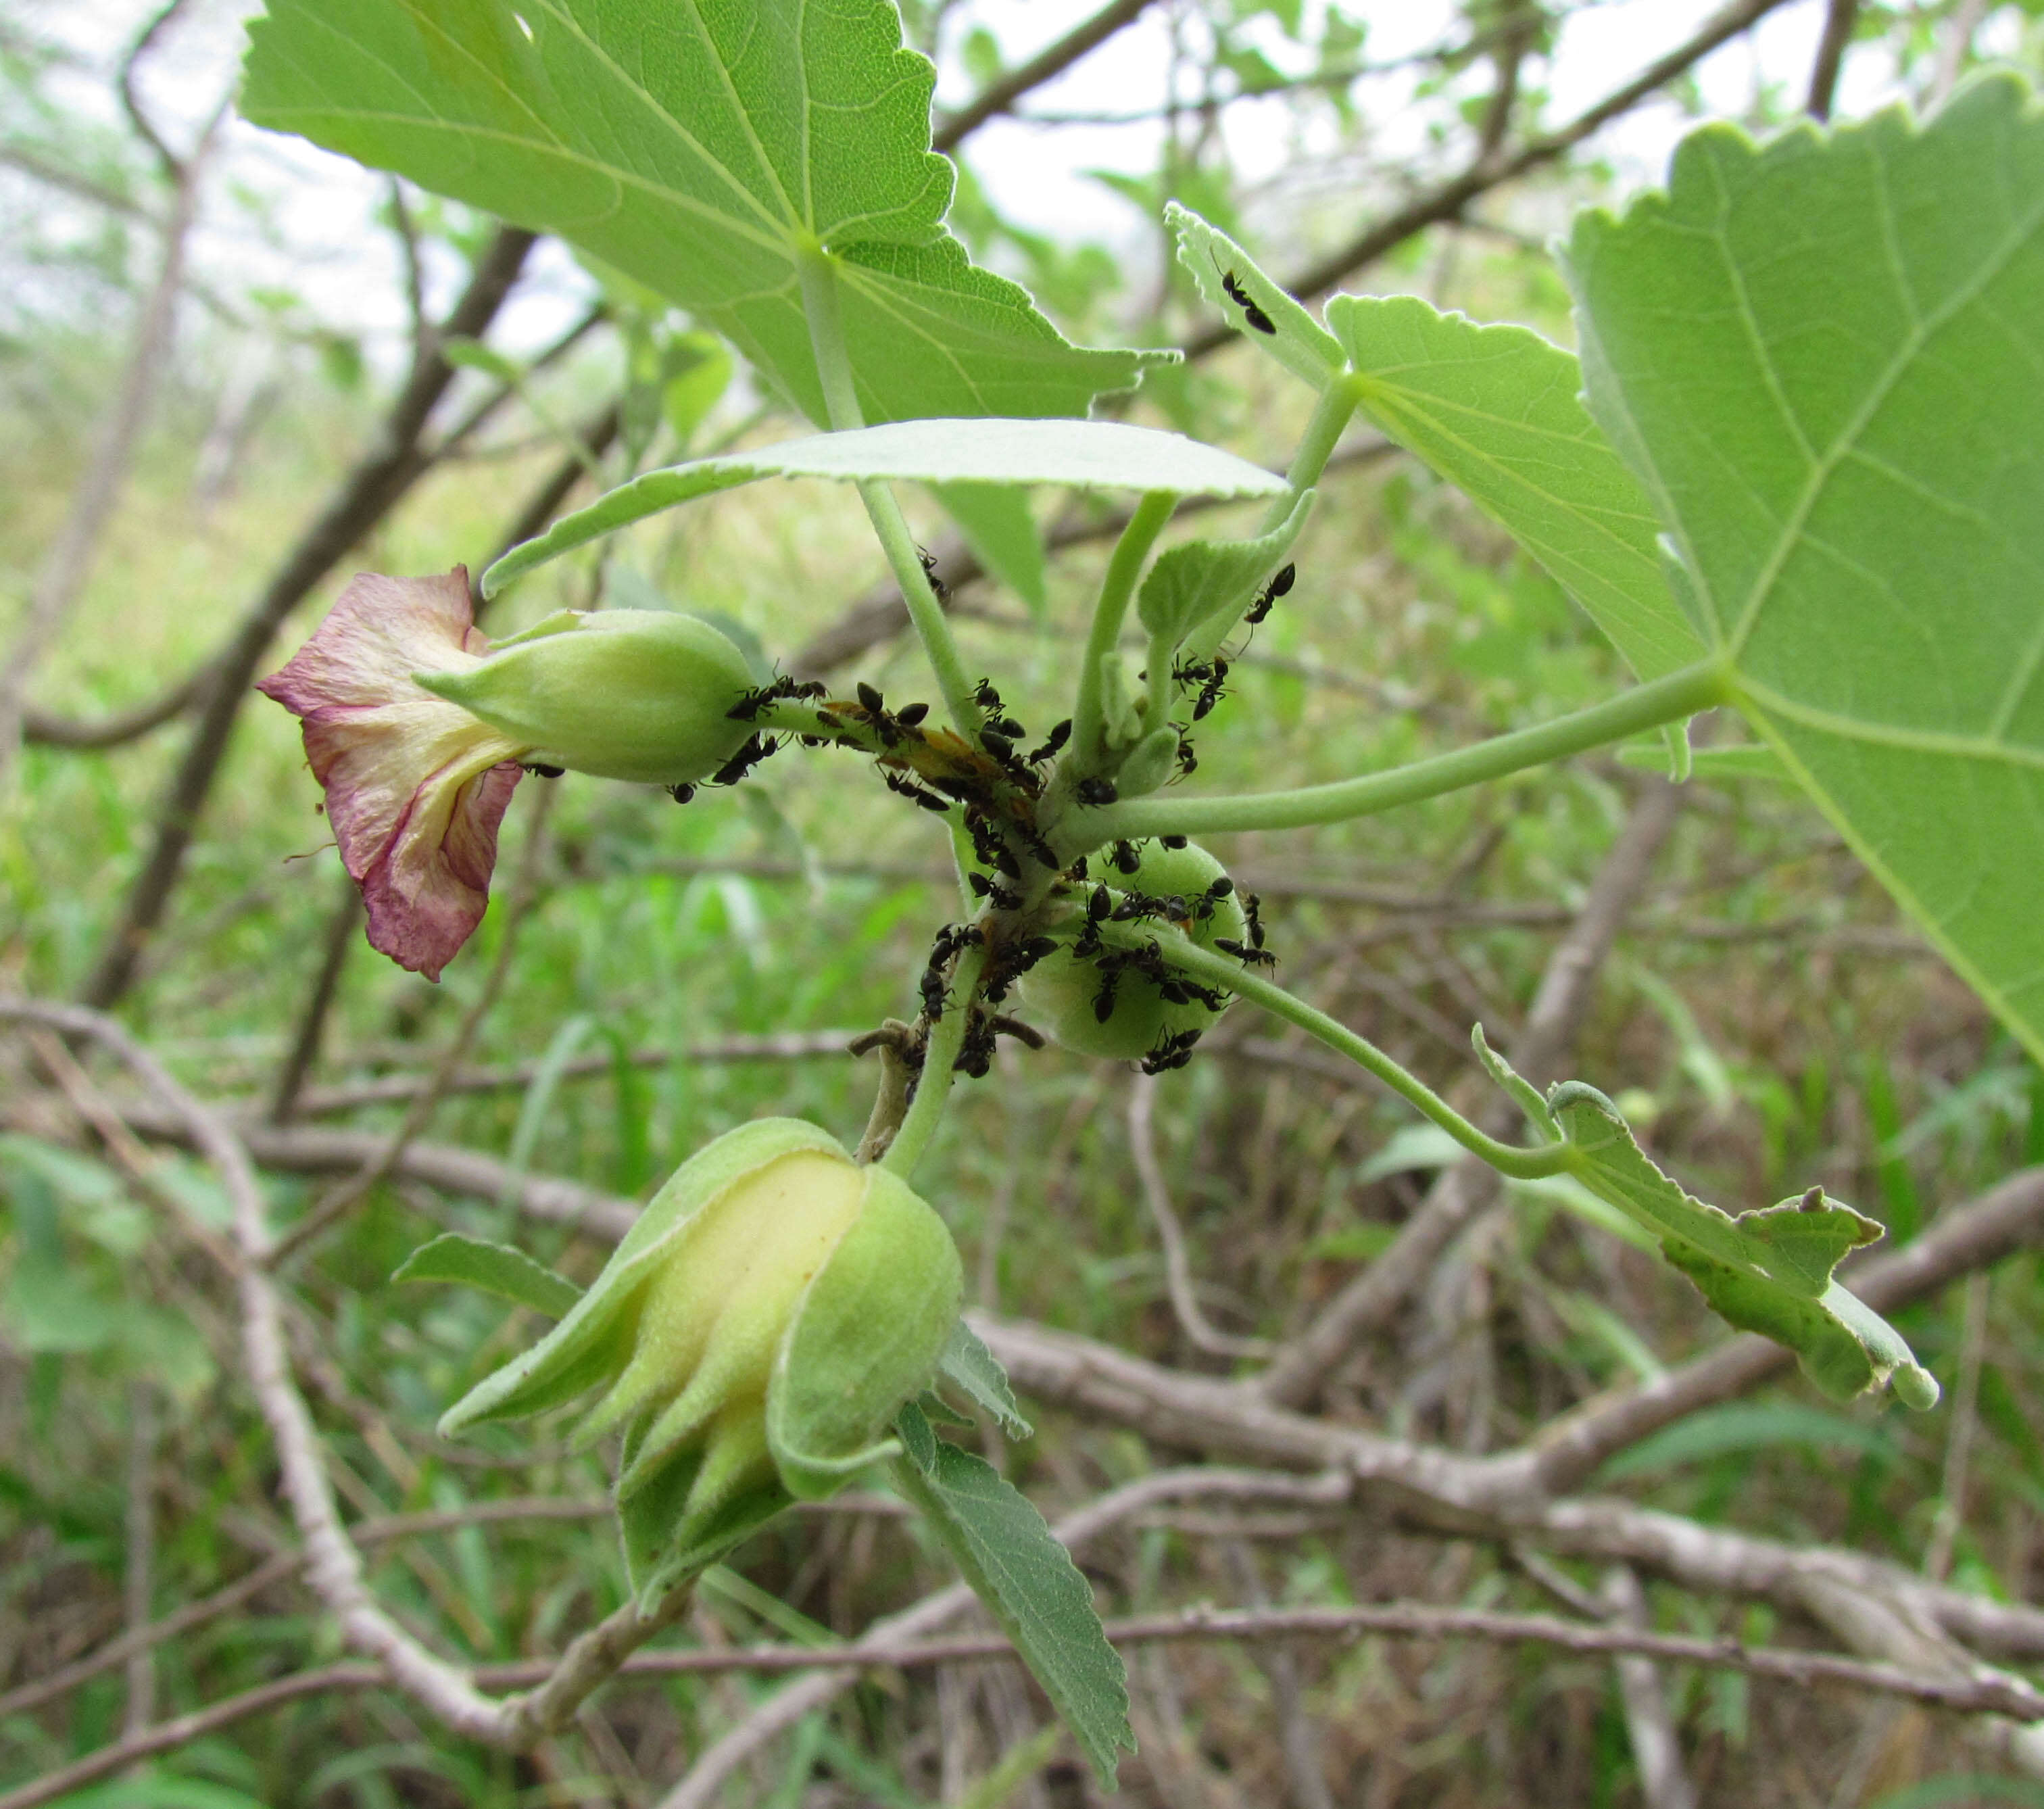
x: 1250, y: 902
x: 1060, y: 734
x: 1243, y: 299
x: 783, y: 689
x: 1170, y: 1052
x: 757, y: 747
x: 984, y: 694
x: 928, y: 800
x: 975, y: 1055
x: 1250, y: 957
x: 1212, y: 678
x: 540, y: 771
x: 1172, y: 842
x: 934, y: 992
x: 938, y: 589
x: 1126, y: 858
x: 1097, y: 791
x: 681, y: 794
x: 1279, y: 584
x: 1188, y: 760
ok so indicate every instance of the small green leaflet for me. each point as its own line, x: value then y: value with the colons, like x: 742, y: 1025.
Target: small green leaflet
x: 1028, y: 1581
x: 701, y: 149
x: 1824, y: 359
x: 1768, y: 1271
x: 978, y: 1374
x: 1108, y: 455
x: 1495, y: 411
x: 493, y: 1268
x: 1202, y: 587
x: 1296, y: 340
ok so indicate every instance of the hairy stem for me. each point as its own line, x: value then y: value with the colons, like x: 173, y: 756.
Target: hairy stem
x: 1680, y: 694
x: 1108, y: 613
x: 926, y: 1110
x: 926, y: 614
x: 1214, y: 969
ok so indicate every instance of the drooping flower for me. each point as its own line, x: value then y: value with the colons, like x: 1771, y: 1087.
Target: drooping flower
x: 755, y: 1333
x: 416, y: 786
x: 417, y: 726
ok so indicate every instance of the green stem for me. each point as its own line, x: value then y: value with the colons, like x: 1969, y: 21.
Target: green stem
x: 1130, y: 551
x: 1666, y: 700
x: 926, y: 614
x: 1317, y: 446
x: 1217, y: 969
x: 933, y: 1092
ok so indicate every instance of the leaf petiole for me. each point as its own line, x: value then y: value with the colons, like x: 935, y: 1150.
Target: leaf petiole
x: 933, y: 1089
x: 1123, y: 570
x: 926, y: 614
x: 1700, y: 687
x: 1217, y: 969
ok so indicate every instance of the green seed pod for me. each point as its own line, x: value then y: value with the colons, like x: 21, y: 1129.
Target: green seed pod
x: 1067, y: 989
x: 622, y: 693
x: 756, y: 1333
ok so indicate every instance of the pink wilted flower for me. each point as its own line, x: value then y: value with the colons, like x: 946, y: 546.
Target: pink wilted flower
x: 417, y: 726
x: 415, y: 785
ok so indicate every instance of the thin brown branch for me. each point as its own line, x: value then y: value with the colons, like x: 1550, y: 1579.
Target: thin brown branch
x: 1046, y: 65
x: 31, y: 163
x: 159, y: 22
x: 1193, y: 1321
x: 1448, y: 199
x: 51, y: 729
x: 344, y: 920
x: 1840, y: 16
x: 370, y: 490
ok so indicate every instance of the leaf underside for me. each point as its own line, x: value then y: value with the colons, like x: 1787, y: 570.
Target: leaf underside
x: 700, y: 148
x: 492, y: 1267
x: 1824, y: 359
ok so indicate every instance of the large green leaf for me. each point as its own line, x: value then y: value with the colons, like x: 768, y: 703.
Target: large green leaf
x: 1028, y: 1581
x: 1495, y: 411
x: 1108, y: 455
x: 699, y: 147
x: 1824, y: 357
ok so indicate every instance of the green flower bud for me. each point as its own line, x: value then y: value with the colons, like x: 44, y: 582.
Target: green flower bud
x: 756, y: 1333
x: 622, y: 693
x: 1066, y: 990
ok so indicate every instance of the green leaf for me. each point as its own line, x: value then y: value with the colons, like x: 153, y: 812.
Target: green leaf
x: 494, y: 1268
x: 1746, y: 1426
x: 978, y: 1374
x: 1767, y: 1271
x: 1824, y: 358
x: 1028, y: 1581
x: 1296, y: 340
x: 1495, y: 410
x: 1191, y: 585
x: 1105, y: 455
x: 700, y: 150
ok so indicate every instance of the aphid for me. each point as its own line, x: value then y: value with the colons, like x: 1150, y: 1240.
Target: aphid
x: 934, y: 993
x: 1125, y: 858
x: 1035, y: 844
x: 681, y: 794
x: 1252, y: 957
x: 1077, y: 869
x: 1099, y: 904
x: 1279, y: 584
x: 870, y: 700
x: 975, y: 1055
x: 1002, y: 898
x: 1243, y: 299
x: 544, y: 772
x: 911, y: 714
x: 980, y: 884
x: 996, y: 744
x: 825, y: 720
x: 1060, y: 734
x: 1174, y: 841
x: 938, y: 589
x: 1097, y: 791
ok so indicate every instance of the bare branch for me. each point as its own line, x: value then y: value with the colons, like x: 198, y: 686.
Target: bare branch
x: 1047, y: 66
x: 173, y: 166
x: 1177, y: 1267
x: 1839, y: 18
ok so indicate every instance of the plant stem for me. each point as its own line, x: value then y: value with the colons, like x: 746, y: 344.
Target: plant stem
x: 1217, y: 969
x: 1680, y: 694
x: 1130, y: 550
x: 926, y: 1110
x: 926, y: 614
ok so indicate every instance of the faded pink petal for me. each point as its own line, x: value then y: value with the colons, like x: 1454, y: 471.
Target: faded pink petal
x: 415, y: 785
